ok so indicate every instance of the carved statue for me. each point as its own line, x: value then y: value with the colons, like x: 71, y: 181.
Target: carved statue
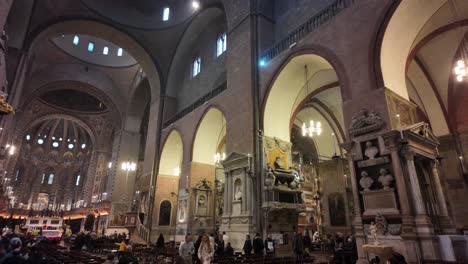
x: 316, y: 236
x: 381, y: 224
x: 238, y: 195
x: 371, y: 151
x: 269, y: 176
x: 366, y: 181
x: 282, y: 176
x: 385, y: 178
x: 373, y: 233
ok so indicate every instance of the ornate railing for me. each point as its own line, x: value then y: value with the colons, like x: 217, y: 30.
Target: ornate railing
x: 299, y: 33
x: 142, y: 230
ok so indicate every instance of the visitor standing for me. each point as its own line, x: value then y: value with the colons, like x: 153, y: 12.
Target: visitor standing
x: 186, y: 249
x: 247, y: 245
x: 298, y: 247
x: 258, y: 245
x: 160, y: 242
x: 206, y: 251
x: 269, y: 245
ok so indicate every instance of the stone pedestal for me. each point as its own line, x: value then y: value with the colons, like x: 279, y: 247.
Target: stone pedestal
x: 384, y: 252
x: 380, y: 201
x: 236, y: 208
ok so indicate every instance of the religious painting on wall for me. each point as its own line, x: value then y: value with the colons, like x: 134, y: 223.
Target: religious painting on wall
x: 182, y: 212
x: 336, y: 207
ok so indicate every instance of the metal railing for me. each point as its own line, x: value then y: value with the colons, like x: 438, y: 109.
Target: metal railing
x: 299, y: 33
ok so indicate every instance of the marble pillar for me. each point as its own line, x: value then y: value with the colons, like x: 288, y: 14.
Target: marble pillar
x: 444, y: 219
x: 423, y: 225
x: 357, y: 222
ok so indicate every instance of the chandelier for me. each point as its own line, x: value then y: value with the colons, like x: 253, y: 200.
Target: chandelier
x: 460, y: 70
x: 313, y: 128
x: 218, y: 157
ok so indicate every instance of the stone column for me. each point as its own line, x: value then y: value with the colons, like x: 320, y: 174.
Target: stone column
x: 226, y: 188
x: 229, y: 193
x: 418, y: 200
x: 357, y: 221
x: 423, y: 224
x: 444, y: 219
x: 408, y: 233
x: 245, y: 191
x: 441, y: 204
x: 400, y: 182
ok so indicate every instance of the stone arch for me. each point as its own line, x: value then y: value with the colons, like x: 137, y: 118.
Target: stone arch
x: 410, y: 65
x: 171, y: 154
x: 288, y: 89
x: 49, y: 79
x: 210, y: 132
x: 138, y: 104
x: 109, y: 33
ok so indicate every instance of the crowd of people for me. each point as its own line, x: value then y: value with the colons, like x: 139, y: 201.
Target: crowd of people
x: 204, y: 249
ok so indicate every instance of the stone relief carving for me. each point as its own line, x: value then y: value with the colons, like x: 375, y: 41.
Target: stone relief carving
x: 394, y: 229
x: 366, y: 181
x: 365, y: 121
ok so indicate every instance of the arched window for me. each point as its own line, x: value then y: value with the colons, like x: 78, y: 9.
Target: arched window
x: 165, y: 213
x: 196, y: 67
x: 77, y: 183
x: 221, y: 44
x: 166, y: 13
x: 51, y: 179
x: 76, y: 40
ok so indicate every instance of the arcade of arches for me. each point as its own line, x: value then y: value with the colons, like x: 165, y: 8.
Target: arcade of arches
x: 266, y: 116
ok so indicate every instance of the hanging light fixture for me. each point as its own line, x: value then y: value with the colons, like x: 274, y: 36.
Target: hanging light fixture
x: 460, y: 69
x: 218, y: 157
x: 314, y: 128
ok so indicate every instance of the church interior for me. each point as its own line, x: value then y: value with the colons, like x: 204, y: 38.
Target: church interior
x: 316, y: 121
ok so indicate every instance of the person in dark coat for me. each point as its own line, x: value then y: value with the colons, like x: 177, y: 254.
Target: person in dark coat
x: 160, y: 241
x: 258, y: 245
x: 14, y: 257
x: 219, y: 246
x: 228, y: 250
x: 298, y: 247
x: 197, y: 244
x: 247, y: 245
